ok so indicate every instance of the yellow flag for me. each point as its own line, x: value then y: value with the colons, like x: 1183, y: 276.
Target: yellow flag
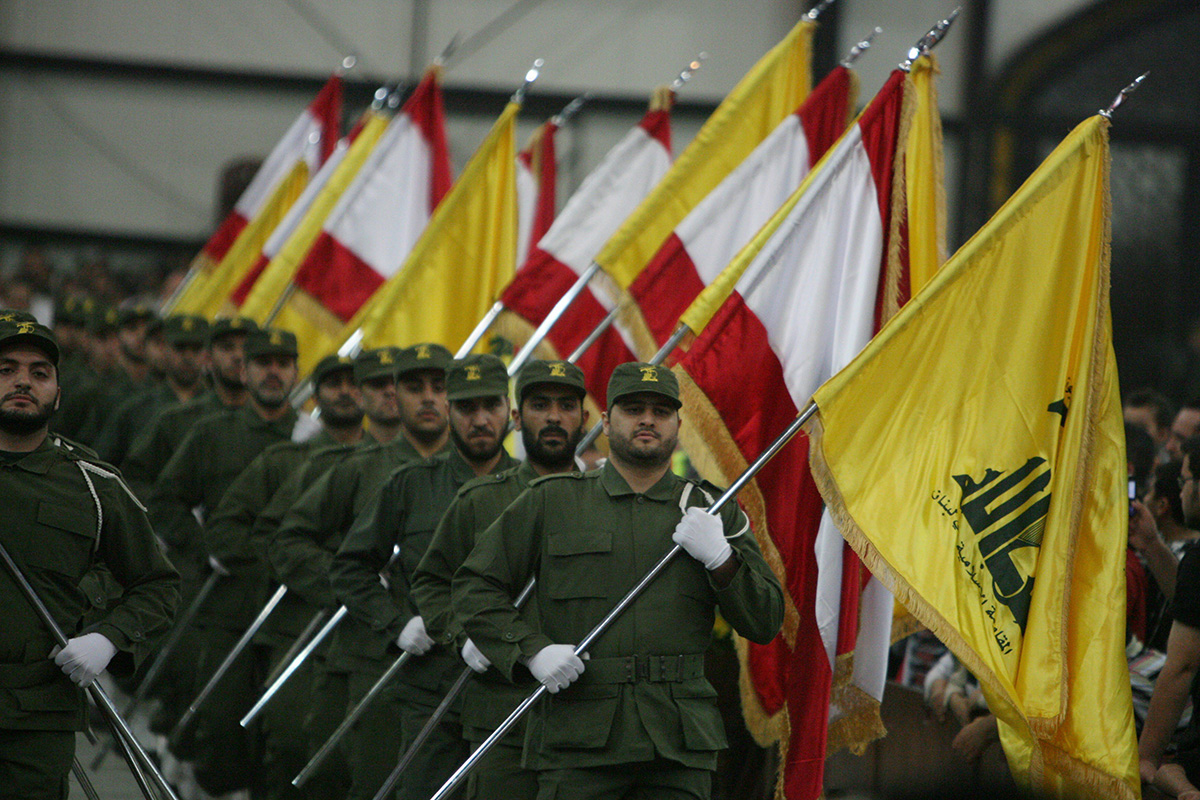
x: 973, y: 455
x: 277, y: 275
x: 208, y: 297
x: 925, y: 179
x: 464, y: 258
x: 770, y: 91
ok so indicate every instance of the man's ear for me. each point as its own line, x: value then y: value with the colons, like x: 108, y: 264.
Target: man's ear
x: 516, y: 419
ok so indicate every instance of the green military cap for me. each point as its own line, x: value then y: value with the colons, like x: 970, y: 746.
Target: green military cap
x: 480, y: 375
x: 15, y: 315
x: 102, y: 320
x: 563, y: 373
x: 70, y: 311
x: 223, y: 326
x: 138, y: 312
x: 378, y: 362
x: 185, y: 329
x: 332, y: 364
x: 636, y: 377
x: 30, y: 332
x: 424, y: 356
x: 271, y: 342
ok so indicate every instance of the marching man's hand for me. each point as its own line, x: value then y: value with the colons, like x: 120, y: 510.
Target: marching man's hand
x: 475, y: 659
x: 84, y: 657
x: 702, y: 535
x: 556, y: 666
x: 413, y: 639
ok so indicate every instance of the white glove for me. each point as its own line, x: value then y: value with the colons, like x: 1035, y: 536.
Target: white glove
x: 84, y: 657
x: 475, y: 659
x: 413, y: 639
x: 556, y: 666
x: 218, y: 567
x: 702, y: 535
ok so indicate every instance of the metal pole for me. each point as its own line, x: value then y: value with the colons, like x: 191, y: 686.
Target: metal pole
x: 439, y: 712
x: 555, y: 314
x: 604, y: 624
x: 681, y: 331
x: 596, y: 333
x: 160, y: 659
x: 129, y: 742
x: 480, y: 330
x: 291, y: 668
x: 301, y: 640
x: 85, y: 782
x: 241, y: 645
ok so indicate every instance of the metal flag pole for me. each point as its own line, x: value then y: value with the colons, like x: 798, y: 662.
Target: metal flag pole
x: 313, y: 624
x: 585, y: 277
x: 438, y: 713
x: 461, y: 773
x: 182, y: 622
x: 287, y: 672
x: 85, y: 782
x: 186, y: 720
x: 1107, y: 113
x: 930, y: 40
x: 138, y: 760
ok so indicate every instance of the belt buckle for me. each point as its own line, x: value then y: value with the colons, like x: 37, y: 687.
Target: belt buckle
x: 643, y: 667
x: 679, y: 667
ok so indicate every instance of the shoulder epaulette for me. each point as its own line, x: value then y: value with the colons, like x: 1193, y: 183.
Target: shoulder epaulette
x: 74, y: 448
x: 578, y: 476
x: 94, y: 466
x: 488, y: 480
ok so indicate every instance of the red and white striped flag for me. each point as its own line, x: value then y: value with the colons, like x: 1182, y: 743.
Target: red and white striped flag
x: 537, y: 176
x: 607, y: 196
x: 708, y: 238
x: 796, y: 304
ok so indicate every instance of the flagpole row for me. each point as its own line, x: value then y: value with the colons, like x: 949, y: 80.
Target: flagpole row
x: 480, y: 330
x: 227, y: 663
x: 580, y: 649
x: 681, y: 331
x: 555, y: 314
x: 929, y: 41
x: 860, y: 48
x: 139, y: 763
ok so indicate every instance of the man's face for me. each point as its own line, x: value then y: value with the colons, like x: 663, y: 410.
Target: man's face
x: 269, y: 379
x: 380, y: 400
x: 642, y: 429
x: 339, y: 400
x: 478, y: 426
x: 132, y: 336
x: 156, y: 354
x: 422, y: 396
x: 28, y: 389
x: 1186, y: 423
x: 1189, y: 494
x: 551, y: 420
x: 228, y: 355
x: 186, y: 362
x: 1143, y: 417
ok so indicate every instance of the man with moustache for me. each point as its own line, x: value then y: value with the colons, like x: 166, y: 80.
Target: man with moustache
x: 64, y: 515
x: 404, y: 514
x: 189, y: 490
x: 414, y: 378
x: 154, y: 446
x: 132, y: 374
x: 551, y: 418
x: 638, y: 719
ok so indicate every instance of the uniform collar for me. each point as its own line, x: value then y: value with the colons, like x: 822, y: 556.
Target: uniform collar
x: 462, y: 471
x: 39, y: 461
x: 526, y: 474
x: 616, y: 486
x: 282, y: 426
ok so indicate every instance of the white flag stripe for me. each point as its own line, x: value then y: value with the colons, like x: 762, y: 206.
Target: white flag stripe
x: 301, y: 142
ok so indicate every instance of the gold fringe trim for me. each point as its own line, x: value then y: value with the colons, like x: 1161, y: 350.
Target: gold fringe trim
x: 662, y: 99
x: 892, y: 266
x: 858, y: 726
x: 939, y: 164
x: 1082, y: 780
x: 904, y: 624
x: 766, y: 729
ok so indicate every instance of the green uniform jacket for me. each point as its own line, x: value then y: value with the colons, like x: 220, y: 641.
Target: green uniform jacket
x: 113, y: 392
x: 213, y: 453
x: 489, y: 698
x: 404, y: 512
x: 55, y: 532
x: 302, y: 549
x: 153, y: 447
x: 588, y: 539
x: 129, y: 418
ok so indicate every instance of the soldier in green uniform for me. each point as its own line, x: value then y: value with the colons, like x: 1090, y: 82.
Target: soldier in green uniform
x: 154, y: 446
x: 638, y: 719
x: 64, y: 514
x: 213, y: 453
x: 98, y: 368
x: 232, y: 544
x: 404, y: 513
x: 311, y: 532
x: 183, y: 338
x: 551, y: 418
x: 132, y: 373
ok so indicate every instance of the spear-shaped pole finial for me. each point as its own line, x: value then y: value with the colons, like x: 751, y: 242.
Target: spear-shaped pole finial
x: 449, y: 50
x: 929, y: 41
x: 816, y: 10
x: 1107, y: 113
x: 570, y: 110
x: 860, y: 48
x: 346, y: 64
x: 530, y: 76
x: 687, y: 72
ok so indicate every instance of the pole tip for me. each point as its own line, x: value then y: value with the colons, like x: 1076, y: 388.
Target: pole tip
x: 687, y: 72
x: 930, y: 40
x: 1107, y: 113
x: 531, y: 75
x: 816, y: 10
x: 860, y: 48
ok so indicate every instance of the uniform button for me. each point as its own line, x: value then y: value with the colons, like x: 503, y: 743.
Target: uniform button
x: 508, y: 637
x: 641, y: 499
x: 137, y: 635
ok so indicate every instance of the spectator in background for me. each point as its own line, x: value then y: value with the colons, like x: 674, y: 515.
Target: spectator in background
x: 1185, y: 425
x: 1139, y: 455
x: 1153, y: 412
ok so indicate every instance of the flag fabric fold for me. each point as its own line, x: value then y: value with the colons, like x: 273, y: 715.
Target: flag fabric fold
x: 231, y: 250
x: 796, y: 303
x: 537, y: 188
x: 973, y: 455
x: 463, y: 259
x: 606, y: 197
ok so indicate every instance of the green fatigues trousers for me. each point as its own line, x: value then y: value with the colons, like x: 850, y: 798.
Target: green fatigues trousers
x: 649, y: 780
x: 500, y: 774
x: 34, y: 765
x: 372, y: 745
x: 442, y: 753
x: 326, y: 709
x: 228, y: 756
